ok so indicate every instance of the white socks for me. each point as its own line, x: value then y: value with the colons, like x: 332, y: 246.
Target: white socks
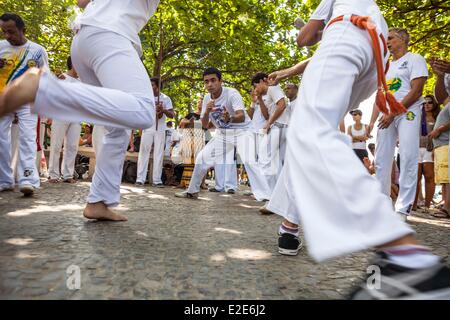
x: 412, y: 256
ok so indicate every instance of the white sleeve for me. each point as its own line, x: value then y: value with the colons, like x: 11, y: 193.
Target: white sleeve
x: 419, y: 68
x: 276, y: 93
x: 324, y: 11
x: 169, y: 105
x: 236, y: 101
x: 43, y: 63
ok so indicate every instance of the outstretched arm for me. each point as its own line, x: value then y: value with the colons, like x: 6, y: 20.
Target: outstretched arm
x: 277, y: 76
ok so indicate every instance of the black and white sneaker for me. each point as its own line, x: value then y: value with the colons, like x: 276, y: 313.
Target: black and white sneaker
x: 213, y: 189
x: 288, y: 244
x: 400, y: 283
x: 231, y: 191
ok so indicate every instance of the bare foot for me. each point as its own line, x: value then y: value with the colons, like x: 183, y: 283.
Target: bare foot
x: 21, y: 91
x: 53, y: 181
x: 99, y: 211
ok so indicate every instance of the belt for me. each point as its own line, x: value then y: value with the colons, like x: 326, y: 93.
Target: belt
x: 384, y: 97
x: 280, y: 125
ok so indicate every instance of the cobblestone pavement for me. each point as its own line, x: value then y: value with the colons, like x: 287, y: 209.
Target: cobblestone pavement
x: 216, y: 248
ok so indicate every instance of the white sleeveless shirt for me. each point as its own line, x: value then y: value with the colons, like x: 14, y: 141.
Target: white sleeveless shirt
x: 358, y: 133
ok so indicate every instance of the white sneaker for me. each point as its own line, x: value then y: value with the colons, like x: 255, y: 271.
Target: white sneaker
x: 6, y: 188
x: 26, y: 189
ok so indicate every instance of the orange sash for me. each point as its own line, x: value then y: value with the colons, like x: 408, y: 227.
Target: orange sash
x: 384, y: 97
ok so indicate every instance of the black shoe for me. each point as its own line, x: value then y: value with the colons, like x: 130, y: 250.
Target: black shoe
x: 213, y: 190
x: 231, y: 191
x: 288, y: 244
x: 397, y: 282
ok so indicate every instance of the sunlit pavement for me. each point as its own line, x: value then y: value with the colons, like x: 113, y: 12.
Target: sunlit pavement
x: 218, y: 247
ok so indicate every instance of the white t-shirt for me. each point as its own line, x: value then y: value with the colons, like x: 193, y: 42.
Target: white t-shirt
x: 169, y: 134
x: 289, y: 109
x: 70, y: 78
x: 402, y: 71
x: 18, y: 59
x: 258, y: 120
x: 271, y: 98
x: 125, y: 17
x: 330, y: 9
x: 231, y: 100
x: 447, y: 83
x: 167, y: 105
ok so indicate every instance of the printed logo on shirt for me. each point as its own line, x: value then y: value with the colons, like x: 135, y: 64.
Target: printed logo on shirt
x: 404, y: 65
x: 217, y: 116
x: 410, y: 116
x: 394, y: 84
x: 31, y: 63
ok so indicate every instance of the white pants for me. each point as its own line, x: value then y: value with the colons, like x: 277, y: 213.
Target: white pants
x: 69, y: 134
x: 98, y: 133
x: 406, y: 128
x: 339, y: 204
x: 116, y: 92
x: 271, y: 154
x: 150, y: 138
x: 243, y: 140
x: 226, y: 171
x: 27, y: 172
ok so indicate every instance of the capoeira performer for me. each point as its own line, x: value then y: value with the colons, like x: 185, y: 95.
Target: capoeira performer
x: 224, y: 108
x: 17, y: 55
x: 273, y: 98
x: 155, y: 136
x: 115, y: 91
x: 329, y: 190
x: 67, y: 133
x: 406, y: 78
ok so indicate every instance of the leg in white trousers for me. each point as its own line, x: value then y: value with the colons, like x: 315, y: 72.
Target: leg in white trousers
x: 157, y: 139
x: 243, y: 140
x: 98, y: 133
x: 116, y: 92
x: 339, y: 204
x: 69, y: 134
x: 270, y: 155
x: 408, y: 135
x: 226, y: 172
x: 27, y: 172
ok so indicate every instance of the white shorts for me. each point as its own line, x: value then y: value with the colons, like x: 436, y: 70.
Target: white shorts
x: 425, y: 156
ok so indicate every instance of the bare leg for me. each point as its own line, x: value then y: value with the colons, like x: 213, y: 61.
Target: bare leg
x: 418, y: 186
x: 99, y: 211
x: 430, y: 186
x: 21, y: 92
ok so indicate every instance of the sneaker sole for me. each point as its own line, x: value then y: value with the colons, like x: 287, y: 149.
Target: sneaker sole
x: 289, y: 252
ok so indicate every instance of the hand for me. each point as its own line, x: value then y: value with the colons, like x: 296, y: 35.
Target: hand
x: 226, y: 116
x: 366, y: 162
x: 210, y: 105
x: 267, y: 127
x: 385, y: 121
x: 440, y: 67
x: 434, y: 134
x: 159, y: 107
x: 131, y: 149
x: 274, y: 78
x: 254, y: 97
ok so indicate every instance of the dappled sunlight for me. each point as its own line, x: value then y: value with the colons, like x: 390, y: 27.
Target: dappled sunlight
x: 218, y: 257
x: 19, y: 241
x: 204, y: 199
x: 45, y: 208
x: 225, y: 195
x: 156, y: 196
x: 28, y: 255
x: 41, y: 202
x: 142, y: 234
x: 128, y: 190
x: 438, y: 223
x: 228, y: 230
x: 248, y: 206
x: 248, y: 254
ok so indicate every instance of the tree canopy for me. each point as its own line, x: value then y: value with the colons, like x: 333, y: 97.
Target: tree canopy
x: 240, y: 37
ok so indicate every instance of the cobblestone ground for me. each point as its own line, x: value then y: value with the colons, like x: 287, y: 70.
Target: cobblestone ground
x: 216, y: 248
